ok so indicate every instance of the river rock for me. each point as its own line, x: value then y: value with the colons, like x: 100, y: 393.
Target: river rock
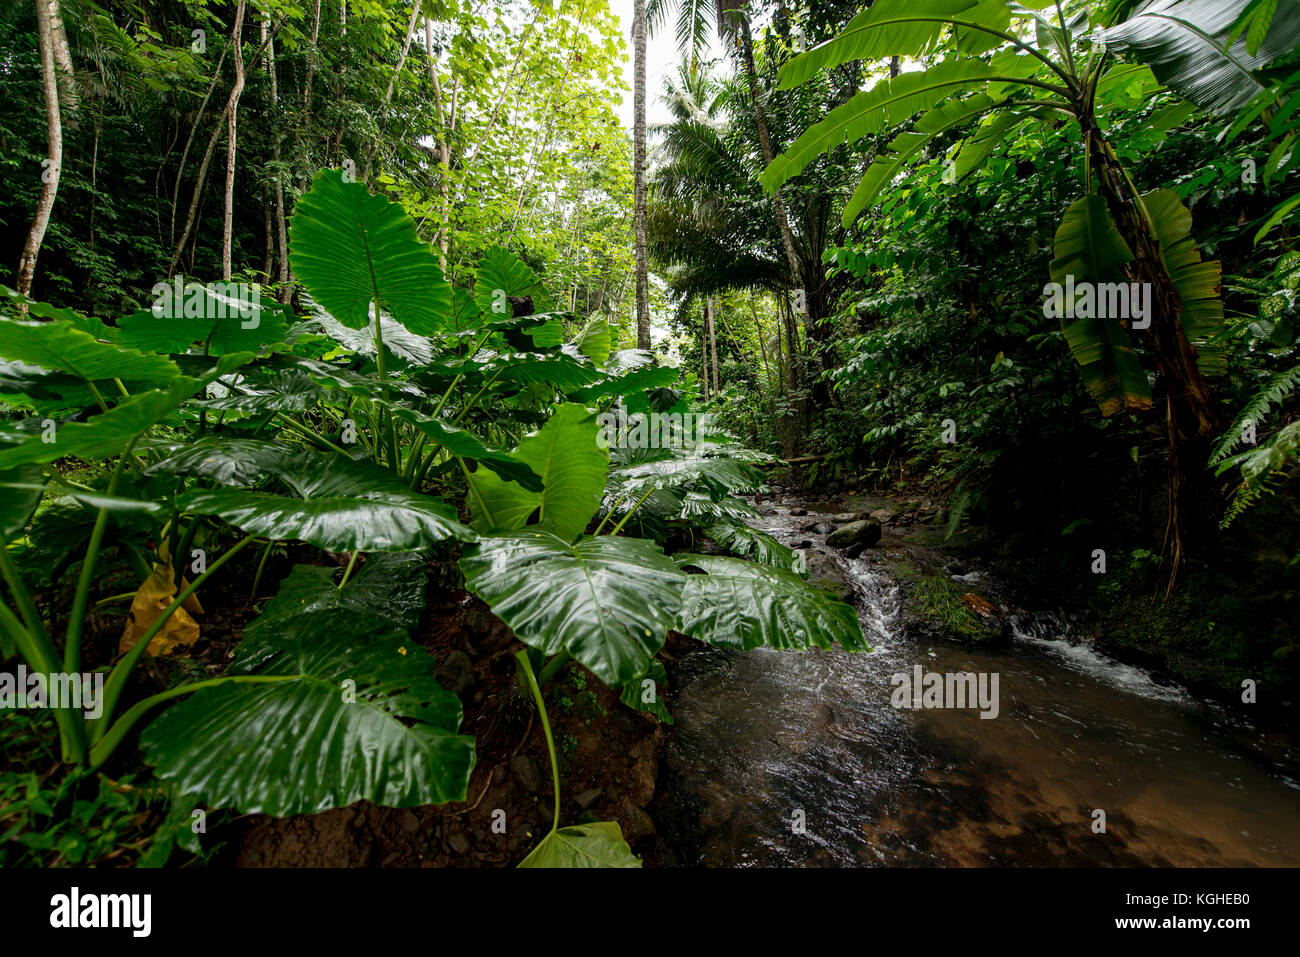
x: 823, y: 528
x: 637, y: 823
x: 587, y: 798
x: 884, y: 515
x: 843, y: 517
x: 867, y: 533
x: 798, y: 511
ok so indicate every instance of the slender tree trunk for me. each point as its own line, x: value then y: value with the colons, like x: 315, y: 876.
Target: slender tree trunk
x: 762, y: 346
x: 638, y: 178
x: 67, y: 78
x: 392, y: 81
x: 282, y: 234
x: 704, y: 356
x: 311, y: 66
x: 198, y: 119
x: 268, y: 260
x: 713, y: 340
x: 444, y: 149
x: 200, y: 181
x: 54, y: 134
x: 232, y: 115
x: 765, y: 142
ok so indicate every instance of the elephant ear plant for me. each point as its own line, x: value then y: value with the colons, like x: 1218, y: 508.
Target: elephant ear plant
x: 322, y: 436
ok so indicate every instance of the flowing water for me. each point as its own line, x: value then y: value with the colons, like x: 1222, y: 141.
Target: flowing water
x: 794, y: 759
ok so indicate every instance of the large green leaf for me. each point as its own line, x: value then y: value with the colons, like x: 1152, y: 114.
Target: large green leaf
x: 681, y: 469
x: 223, y: 459
x: 903, y: 147
x: 58, y: 346
x: 1199, y: 284
x: 599, y: 844
x: 609, y: 601
x: 634, y: 381
x: 501, y: 275
x: 346, y: 505
x: 572, y: 467
x: 743, y: 605
x: 222, y: 323
x: 1183, y: 41
x: 560, y: 370
x: 389, y: 586
x: 397, y: 339
x: 1090, y: 249
x: 285, y: 392
x: 347, y: 243
x: 887, y: 104
x: 887, y: 28
x: 101, y: 436
x: 304, y: 744
x: 17, y: 504
x: 741, y: 539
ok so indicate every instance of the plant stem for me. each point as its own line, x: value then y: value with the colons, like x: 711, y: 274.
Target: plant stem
x: 522, y: 658
x: 348, y: 574
x: 22, y: 598
x: 619, y: 527
x: 257, y: 578
x: 554, y: 666
x: 612, y: 509
x: 308, y: 433
x: 76, y: 623
x: 40, y: 654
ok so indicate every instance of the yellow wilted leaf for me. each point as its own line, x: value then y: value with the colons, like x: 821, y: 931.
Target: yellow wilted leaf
x: 151, y: 600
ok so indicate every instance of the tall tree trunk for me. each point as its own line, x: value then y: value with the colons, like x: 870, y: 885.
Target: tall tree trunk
x: 67, y: 79
x: 765, y: 142
x: 232, y: 115
x: 198, y: 119
x: 392, y: 81
x: 54, y: 134
x: 704, y: 357
x: 638, y: 179
x: 311, y: 66
x: 268, y: 260
x: 713, y: 340
x: 444, y: 148
x: 282, y: 234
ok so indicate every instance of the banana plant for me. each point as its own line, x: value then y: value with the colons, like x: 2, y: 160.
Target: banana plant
x: 995, y: 66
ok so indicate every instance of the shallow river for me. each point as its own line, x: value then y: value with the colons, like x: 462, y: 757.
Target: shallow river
x: 789, y: 758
